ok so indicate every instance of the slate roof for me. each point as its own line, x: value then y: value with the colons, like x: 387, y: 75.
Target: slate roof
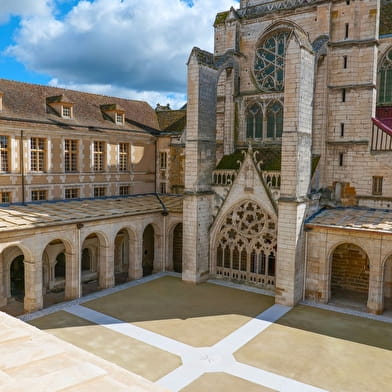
x: 172, y: 120
x: 20, y: 217
x: 366, y: 219
x: 26, y: 101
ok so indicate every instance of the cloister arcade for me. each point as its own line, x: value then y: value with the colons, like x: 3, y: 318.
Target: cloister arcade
x: 64, y: 259
x: 349, y: 268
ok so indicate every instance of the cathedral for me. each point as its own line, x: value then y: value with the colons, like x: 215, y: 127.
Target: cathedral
x: 277, y: 174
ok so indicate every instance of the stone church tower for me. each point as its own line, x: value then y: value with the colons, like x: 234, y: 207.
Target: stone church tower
x: 282, y: 122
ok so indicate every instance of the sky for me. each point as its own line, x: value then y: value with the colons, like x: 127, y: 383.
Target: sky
x: 134, y: 49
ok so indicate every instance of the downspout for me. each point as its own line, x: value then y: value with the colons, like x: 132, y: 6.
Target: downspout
x: 21, y: 153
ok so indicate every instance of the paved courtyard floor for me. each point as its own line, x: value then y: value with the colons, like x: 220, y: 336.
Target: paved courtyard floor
x: 215, y: 337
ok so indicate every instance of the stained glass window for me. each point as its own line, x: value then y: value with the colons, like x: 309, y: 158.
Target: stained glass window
x: 254, y: 122
x: 385, y: 79
x: 269, y: 62
x: 275, y: 120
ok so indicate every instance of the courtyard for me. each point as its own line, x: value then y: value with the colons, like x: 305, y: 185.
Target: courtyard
x: 223, y: 337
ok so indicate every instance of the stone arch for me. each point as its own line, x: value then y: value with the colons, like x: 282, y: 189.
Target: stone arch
x: 13, y: 275
x: 148, y: 250
x: 349, y: 275
x: 96, y: 242
x: 177, y: 248
x: 244, y: 245
x: 124, y: 251
x: 387, y: 284
x: 384, y: 78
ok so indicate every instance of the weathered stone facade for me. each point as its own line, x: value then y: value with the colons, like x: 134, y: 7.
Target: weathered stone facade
x: 311, y: 82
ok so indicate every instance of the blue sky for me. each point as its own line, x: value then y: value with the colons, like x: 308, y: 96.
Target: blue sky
x: 129, y: 48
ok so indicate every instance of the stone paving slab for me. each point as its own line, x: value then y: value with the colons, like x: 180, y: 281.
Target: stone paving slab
x: 38, y: 362
x: 176, y: 309
x: 223, y: 382
x: 333, y: 351
x: 133, y: 355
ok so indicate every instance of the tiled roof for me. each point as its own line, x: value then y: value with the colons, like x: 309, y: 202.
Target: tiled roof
x: 353, y: 218
x: 172, y: 120
x: 19, y: 217
x: 29, y: 102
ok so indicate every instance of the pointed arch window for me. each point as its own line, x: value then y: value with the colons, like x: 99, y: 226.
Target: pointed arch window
x: 254, y: 122
x: 269, y: 62
x: 275, y: 120
x: 385, y: 79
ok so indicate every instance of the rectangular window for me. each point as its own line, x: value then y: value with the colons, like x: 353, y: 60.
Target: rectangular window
x: 163, y: 160
x: 346, y: 31
x: 124, y: 190
x: 123, y: 151
x: 5, y: 197
x: 4, y: 153
x: 66, y: 112
x: 39, y: 195
x: 343, y: 95
x: 71, y: 155
x: 72, y: 193
x: 341, y: 155
x: 99, y: 150
x: 37, y: 154
x: 163, y: 187
x: 119, y: 118
x: 344, y: 62
x: 99, y: 191
x: 341, y: 129
x: 377, y: 185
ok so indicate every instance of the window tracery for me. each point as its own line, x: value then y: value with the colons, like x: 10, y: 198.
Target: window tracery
x: 385, y: 79
x: 269, y: 62
x: 246, y: 245
x: 264, y: 120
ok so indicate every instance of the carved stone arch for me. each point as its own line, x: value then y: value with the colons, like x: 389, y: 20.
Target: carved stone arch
x: 245, y: 236
x: 384, y: 78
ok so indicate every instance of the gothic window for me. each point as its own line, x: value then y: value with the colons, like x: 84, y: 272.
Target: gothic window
x: 246, y: 245
x: 254, y: 122
x: 275, y: 120
x: 385, y: 80
x: 269, y: 62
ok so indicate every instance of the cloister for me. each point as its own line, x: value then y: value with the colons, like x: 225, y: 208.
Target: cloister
x: 59, y: 246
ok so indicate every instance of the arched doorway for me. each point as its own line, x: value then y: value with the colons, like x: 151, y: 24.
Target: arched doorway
x: 90, y: 264
x: 245, y: 245
x: 177, y: 248
x: 148, y: 250
x: 17, y: 278
x: 349, y: 277
x: 121, y: 257
x: 59, y: 268
x: 388, y: 286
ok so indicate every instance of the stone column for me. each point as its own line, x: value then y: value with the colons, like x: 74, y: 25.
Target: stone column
x: 375, y: 302
x: 136, y: 259
x: 199, y: 164
x: 33, y: 299
x: 73, y: 288
x: 158, y: 252
x: 106, y: 266
x: 295, y: 169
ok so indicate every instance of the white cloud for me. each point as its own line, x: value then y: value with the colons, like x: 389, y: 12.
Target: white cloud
x: 176, y: 100
x: 130, y: 44
x: 24, y: 8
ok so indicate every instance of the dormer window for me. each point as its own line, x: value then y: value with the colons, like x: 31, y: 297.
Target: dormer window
x: 119, y: 118
x: 60, y: 105
x: 66, y: 112
x: 113, y: 112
